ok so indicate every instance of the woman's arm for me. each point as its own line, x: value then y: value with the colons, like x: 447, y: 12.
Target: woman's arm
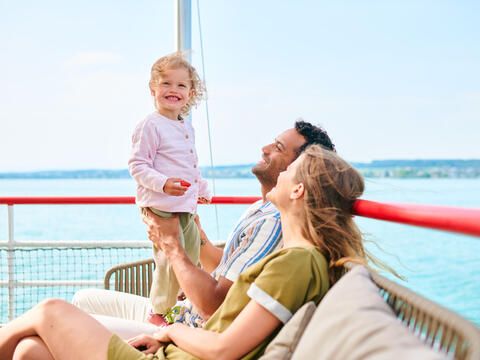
x: 253, y: 325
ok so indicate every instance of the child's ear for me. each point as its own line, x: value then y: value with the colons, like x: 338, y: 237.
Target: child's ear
x: 297, y: 191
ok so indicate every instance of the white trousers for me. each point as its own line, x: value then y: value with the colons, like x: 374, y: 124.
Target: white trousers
x: 123, y: 314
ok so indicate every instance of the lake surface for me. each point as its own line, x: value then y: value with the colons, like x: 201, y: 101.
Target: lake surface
x: 442, y: 266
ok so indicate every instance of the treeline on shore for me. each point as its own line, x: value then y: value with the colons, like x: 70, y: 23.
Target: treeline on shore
x: 376, y: 168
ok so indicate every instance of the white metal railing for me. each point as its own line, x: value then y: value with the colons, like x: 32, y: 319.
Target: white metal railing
x: 11, y: 245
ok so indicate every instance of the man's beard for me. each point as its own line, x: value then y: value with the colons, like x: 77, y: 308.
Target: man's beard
x: 265, y: 176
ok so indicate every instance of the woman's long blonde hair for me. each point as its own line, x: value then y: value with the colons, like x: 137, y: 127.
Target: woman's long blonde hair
x: 331, y: 187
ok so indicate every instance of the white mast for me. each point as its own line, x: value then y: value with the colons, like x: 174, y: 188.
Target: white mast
x: 183, y: 42
x: 183, y: 27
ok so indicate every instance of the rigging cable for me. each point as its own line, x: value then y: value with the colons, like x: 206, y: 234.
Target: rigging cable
x: 208, y: 117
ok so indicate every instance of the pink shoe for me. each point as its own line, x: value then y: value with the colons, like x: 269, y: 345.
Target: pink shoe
x: 157, y: 319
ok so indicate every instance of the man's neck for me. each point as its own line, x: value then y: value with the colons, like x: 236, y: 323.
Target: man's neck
x: 265, y: 189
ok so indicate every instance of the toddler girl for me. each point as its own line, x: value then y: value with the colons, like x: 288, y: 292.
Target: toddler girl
x: 164, y: 164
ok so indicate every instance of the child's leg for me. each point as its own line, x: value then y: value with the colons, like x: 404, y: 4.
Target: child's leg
x: 164, y: 290
x: 67, y: 332
x: 192, y: 236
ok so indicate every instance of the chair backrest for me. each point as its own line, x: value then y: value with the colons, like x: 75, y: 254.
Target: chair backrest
x: 133, y: 278
x: 435, y: 325
x: 438, y: 327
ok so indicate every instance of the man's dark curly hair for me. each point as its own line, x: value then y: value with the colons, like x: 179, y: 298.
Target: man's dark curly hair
x: 313, y: 135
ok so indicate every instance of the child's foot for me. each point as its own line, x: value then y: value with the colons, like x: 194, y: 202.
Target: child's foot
x: 157, y: 319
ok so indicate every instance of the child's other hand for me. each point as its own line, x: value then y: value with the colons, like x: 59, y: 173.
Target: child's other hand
x: 175, y: 186
x: 202, y: 200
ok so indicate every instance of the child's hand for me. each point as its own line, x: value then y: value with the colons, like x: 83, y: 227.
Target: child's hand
x: 175, y: 186
x: 202, y: 200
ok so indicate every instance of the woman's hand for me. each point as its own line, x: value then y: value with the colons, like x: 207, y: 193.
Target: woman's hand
x: 162, y: 335
x: 145, y: 343
x: 175, y: 186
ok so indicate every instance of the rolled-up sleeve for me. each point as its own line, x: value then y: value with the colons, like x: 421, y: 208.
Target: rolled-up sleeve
x: 280, y: 286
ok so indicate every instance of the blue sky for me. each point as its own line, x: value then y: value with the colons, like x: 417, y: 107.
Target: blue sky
x: 387, y: 79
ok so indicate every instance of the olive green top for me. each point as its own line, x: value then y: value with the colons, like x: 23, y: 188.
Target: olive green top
x: 282, y: 282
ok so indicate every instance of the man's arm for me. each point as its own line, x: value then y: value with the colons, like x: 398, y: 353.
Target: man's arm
x: 203, y: 290
x: 210, y: 255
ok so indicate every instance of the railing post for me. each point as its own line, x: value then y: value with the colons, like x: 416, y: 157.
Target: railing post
x: 11, y: 264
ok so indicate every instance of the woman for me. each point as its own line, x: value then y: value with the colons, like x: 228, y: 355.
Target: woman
x: 314, y: 195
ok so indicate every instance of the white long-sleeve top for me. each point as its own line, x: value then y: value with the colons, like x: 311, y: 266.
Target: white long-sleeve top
x: 163, y: 148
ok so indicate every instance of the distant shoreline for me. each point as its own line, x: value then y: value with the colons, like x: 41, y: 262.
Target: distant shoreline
x: 375, y: 169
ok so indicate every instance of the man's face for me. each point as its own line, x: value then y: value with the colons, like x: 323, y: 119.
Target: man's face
x: 277, y: 156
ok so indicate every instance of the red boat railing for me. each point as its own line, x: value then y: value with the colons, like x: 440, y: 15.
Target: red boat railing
x: 454, y: 219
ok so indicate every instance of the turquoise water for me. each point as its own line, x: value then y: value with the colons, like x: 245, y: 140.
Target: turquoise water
x: 442, y: 266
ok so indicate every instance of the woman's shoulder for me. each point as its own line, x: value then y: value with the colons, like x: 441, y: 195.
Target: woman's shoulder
x: 296, y: 258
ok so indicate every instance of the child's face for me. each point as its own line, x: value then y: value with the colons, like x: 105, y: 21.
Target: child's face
x: 172, y: 92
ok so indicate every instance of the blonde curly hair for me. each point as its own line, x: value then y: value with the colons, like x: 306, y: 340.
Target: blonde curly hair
x: 175, y: 61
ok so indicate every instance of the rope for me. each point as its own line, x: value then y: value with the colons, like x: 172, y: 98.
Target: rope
x: 208, y: 116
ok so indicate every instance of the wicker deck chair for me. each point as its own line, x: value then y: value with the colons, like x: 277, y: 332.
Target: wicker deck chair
x: 133, y: 278
x: 438, y: 327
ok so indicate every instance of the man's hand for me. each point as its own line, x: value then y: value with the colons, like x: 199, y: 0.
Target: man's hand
x: 203, y: 200
x: 163, y: 232
x: 145, y: 343
x: 175, y: 186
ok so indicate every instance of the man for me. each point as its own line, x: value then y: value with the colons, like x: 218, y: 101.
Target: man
x: 257, y: 234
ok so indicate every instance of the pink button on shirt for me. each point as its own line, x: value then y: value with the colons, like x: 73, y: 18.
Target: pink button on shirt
x: 164, y: 148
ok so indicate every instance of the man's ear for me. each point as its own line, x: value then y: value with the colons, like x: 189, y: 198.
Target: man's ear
x: 297, y: 191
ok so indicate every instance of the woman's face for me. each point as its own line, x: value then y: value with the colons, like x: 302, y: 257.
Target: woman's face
x: 281, y: 194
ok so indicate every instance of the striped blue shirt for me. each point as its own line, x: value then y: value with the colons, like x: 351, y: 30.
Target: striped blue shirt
x: 257, y: 234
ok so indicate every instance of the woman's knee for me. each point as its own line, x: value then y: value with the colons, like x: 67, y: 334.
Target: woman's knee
x: 51, y: 308
x: 31, y: 348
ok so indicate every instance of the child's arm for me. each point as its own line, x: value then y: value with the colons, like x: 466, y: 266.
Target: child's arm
x: 145, y: 141
x: 144, y: 148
